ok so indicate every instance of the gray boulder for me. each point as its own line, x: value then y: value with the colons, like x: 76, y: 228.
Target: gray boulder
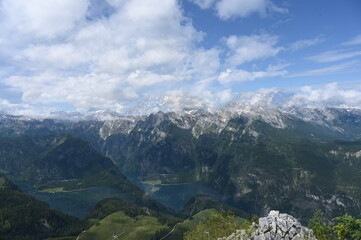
x: 276, y: 226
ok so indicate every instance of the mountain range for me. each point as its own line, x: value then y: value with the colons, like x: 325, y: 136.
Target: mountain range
x: 269, y: 150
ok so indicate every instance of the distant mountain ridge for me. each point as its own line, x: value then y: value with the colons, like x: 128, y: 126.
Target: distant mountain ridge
x: 273, y: 106
x: 252, y: 103
x: 344, y: 123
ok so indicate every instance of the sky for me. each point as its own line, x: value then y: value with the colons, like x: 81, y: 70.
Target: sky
x: 81, y: 55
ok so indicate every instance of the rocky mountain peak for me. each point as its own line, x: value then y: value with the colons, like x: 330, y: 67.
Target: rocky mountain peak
x: 276, y: 225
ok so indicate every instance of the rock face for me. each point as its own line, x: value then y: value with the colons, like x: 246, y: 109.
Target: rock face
x: 276, y: 226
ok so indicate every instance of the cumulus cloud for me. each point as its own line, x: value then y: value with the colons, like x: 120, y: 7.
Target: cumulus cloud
x: 174, y: 101
x: 227, y: 9
x: 104, y: 62
x: 43, y: 18
x: 7, y: 107
x: 67, y: 52
x: 224, y: 96
x: 180, y: 100
x: 88, y: 91
x: 205, y: 65
x: 331, y: 95
x: 239, y: 75
x: 354, y: 41
x: 249, y: 48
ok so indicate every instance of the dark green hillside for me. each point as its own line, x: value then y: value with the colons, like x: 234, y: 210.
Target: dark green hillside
x: 51, y: 158
x: 63, y: 166
x: 23, y: 217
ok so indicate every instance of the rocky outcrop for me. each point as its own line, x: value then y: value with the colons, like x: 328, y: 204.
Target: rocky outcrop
x: 276, y: 226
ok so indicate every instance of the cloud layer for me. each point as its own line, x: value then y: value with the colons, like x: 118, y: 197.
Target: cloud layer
x: 102, y: 62
x: 107, y: 54
x: 331, y: 95
x: 66, y: 52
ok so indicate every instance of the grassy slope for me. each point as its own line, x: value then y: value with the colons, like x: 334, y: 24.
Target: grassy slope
x: 190, y: 224
x: 127, y: 221
x: 124, y: 227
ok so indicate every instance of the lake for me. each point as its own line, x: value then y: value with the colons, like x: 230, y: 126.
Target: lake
x: 80, y: 203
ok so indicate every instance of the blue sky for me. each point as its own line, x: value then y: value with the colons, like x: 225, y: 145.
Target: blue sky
x: 76, y: 55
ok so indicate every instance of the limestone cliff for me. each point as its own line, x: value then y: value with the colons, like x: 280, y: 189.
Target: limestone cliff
x: 276, y: 226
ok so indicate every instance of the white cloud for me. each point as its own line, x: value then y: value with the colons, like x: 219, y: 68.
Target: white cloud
x: 171, y: 101
x: 331, y: 95
x: 354, y: 41
x: 333, y: 56
x: 249, y: 48
x: 142, y: 46
x: 348, y: 66
x: 179, y: 100
x: 89, y: 91
x: 306, y: 43
x: 224, y: 96
x: 239, y: 75
x: 7, y: 107
x: 205, y: 64
x: 57, y: 56
x: 227, y: 9
x: 204, y: 3
x: 43, y: 18
x: 104, y: 63
x: 144, y: 79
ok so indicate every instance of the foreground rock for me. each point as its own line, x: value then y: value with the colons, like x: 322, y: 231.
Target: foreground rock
x: 276, y: 226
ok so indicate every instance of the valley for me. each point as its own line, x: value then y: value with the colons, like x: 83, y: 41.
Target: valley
x: 180, y: 120
x: 248, y: 163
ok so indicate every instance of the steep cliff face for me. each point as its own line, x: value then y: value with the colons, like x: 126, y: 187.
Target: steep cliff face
x: 276, y: 226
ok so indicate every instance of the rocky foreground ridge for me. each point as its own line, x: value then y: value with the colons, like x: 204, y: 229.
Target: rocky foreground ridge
x: 276, y: 226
